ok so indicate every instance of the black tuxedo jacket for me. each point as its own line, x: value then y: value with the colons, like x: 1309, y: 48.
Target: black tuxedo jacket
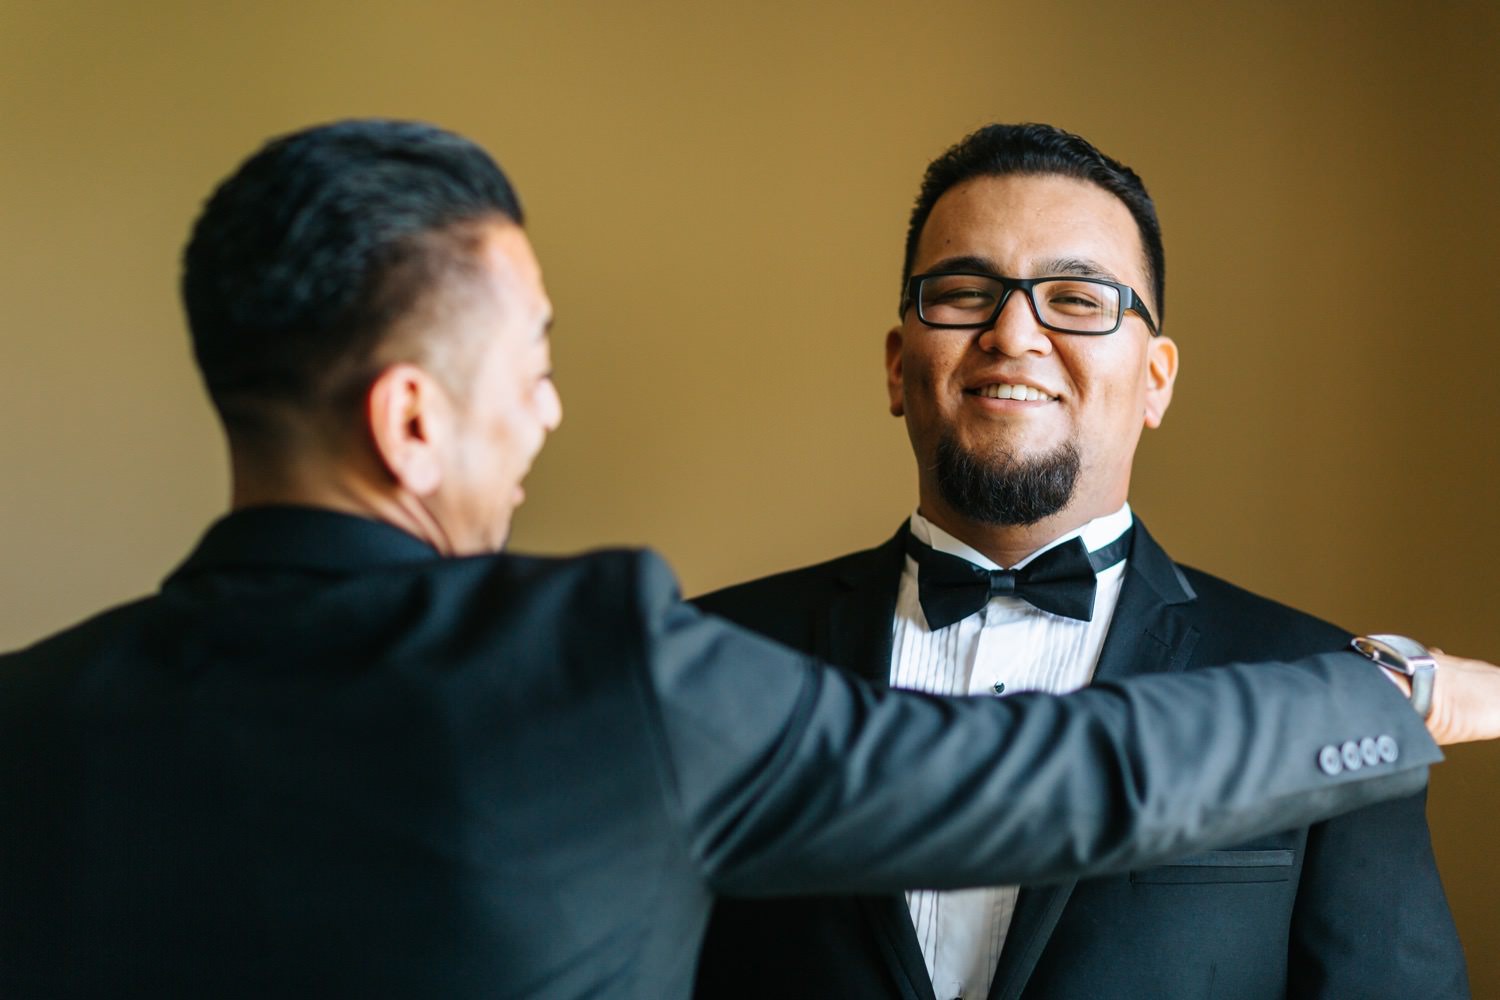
x: 1350, y: 908
x: 324, y: 761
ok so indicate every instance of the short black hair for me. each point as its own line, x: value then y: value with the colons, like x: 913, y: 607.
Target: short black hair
x: 304, y: 257
x: 997, y: 150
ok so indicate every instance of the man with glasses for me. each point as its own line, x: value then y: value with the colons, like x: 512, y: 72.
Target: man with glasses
x: 1027, y: 361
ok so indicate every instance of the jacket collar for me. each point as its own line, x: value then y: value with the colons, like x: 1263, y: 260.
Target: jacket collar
x: 856, y: 633
x: 1156, y: 569
x: 301, y: 539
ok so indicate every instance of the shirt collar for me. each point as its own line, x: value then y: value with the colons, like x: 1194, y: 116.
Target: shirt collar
x: 1095, y: 534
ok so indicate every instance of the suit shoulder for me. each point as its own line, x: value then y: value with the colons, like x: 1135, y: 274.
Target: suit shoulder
x: 98, y: 629
x: 789, y: 587
x: 788, y: 606
x: 620, y: 576
x: 1256, y: 624
x: 622, y: 561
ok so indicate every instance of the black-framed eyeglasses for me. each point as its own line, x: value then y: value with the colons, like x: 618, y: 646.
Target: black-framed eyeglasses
x: 973, y: 300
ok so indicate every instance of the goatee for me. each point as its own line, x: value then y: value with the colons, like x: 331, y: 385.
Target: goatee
x: 1001, y: 489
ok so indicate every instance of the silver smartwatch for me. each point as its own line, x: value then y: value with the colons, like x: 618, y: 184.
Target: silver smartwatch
x: 1406, y: 657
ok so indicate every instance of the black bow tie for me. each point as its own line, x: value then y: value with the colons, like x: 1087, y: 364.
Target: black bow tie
x: 1060, y: 580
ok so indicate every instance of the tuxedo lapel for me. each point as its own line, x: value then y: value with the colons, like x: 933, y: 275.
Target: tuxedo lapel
x: 1148, y: 634
x: 890, y: 924
x: 855, y: 633
x: 855, y: 630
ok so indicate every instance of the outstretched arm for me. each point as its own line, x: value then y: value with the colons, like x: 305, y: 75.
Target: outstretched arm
x: 794, y: 777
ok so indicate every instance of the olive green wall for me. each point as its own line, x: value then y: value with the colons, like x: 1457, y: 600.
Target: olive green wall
x: 718, y: 196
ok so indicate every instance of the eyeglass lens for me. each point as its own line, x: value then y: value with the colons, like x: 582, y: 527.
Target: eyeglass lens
x: 1064, y: 303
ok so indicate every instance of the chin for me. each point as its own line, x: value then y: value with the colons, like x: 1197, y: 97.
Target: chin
x: 1008, y: 450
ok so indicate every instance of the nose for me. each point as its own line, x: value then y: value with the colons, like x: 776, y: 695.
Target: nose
x: 1016, y: 330
x: 549, y: 405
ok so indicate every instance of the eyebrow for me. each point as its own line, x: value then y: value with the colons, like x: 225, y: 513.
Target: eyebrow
x: 968, y: 262
x: 1080, y: 266
x: 1083, y: 267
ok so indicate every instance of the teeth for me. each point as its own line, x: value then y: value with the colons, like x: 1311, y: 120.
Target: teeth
x: 1005, y: 391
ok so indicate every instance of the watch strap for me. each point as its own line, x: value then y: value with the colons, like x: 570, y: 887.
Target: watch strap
x: 1404, y: 656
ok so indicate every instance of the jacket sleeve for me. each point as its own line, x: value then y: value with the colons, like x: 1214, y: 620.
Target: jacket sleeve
x: 792, y: 777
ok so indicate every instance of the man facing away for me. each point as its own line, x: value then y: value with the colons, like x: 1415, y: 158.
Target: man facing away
x: 1028, y: 360
x: 350, y: 748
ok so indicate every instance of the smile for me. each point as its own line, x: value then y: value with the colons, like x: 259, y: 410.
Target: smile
x: 1004, y: 390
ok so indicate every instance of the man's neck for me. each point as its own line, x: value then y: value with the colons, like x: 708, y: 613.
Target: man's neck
x: 313, y: 481
x: 1007, y: 545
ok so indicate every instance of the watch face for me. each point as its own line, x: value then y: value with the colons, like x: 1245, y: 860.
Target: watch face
x: 1409, y: 649
x: 1395, y: 652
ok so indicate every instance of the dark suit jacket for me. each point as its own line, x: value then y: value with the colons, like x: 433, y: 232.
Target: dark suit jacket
x: 1349, y: 909
x: 324, y: 761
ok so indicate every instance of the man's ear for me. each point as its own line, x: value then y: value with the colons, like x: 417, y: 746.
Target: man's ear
x: 1161, y: 373
x: 893, y: 384
x: 409, y: 417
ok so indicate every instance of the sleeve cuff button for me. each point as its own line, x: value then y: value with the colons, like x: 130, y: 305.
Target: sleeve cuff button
x: 1329, y: 760
x: 1387, y: 748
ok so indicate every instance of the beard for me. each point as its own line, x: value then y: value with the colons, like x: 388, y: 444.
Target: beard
x: 1002, y: 489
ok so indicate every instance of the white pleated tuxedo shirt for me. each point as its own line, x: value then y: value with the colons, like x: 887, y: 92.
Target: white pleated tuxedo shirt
x: 1009, y: 646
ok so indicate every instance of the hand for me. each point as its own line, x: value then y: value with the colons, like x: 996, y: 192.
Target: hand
x: 1465, y: 701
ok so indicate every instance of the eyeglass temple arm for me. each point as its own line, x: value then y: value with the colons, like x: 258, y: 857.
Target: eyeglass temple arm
x: 1140, y: 309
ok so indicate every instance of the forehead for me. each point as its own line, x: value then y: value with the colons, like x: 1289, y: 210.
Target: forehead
x: 1023, y: 222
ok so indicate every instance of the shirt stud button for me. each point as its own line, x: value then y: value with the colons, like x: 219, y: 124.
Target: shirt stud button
x: 999, y: 687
